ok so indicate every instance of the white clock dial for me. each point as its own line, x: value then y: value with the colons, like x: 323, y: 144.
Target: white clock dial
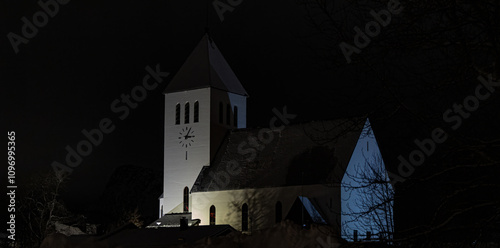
x: 186, y: 137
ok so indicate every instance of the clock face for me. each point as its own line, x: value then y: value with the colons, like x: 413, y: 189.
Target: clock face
x: 186, y: 137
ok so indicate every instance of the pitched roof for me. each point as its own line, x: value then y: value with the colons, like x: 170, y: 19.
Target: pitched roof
x: 312, y: 210
x: 312, y: 213
x: 301, y: 154
x: 205, y: 67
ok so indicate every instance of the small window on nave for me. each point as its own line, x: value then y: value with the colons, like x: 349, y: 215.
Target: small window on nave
x: 212, y: 215
x: 278, y: 211
x: 244, y: 217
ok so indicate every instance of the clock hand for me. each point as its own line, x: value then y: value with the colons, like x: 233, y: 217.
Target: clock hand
x: 187, y: 133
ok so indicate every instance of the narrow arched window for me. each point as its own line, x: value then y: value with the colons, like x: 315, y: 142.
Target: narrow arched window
x: 186, y: 199
x: 161, y: 212
x: 221, y: 110
x: 244, y: 217
x: 177, y: 114
x: 228, y: 114
x: 235, y: 116
x: 186, y: 113
x: 279, y: 211
x: 212, y: 215
x: 196, y: 112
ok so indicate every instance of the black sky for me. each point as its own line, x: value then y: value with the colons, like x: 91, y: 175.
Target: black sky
x: 91, y: 52
x: 65, y: 79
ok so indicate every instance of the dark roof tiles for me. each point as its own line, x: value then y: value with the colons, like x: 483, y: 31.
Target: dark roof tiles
x: 299, y: 154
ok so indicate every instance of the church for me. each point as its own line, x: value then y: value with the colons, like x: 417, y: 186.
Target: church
x: 219, y: 172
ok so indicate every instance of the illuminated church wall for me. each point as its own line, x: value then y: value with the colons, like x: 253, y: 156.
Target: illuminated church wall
x: 184, y: 156
x: 261, y: 204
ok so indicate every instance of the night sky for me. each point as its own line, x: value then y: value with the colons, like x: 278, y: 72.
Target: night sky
x: 89, y: 54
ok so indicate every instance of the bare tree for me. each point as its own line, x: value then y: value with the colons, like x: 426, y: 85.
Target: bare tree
x: 372, y: 205
x: 427, y: 56
x: 258, y: 211
x: 39, y: 208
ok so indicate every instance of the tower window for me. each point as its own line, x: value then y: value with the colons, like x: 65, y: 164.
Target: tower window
x: 244, y: 217
x: 196, y: 111
x: 235, y: 116
x: 279, y: 211
x: 186, y: 113
x: 228, y: 114
x: 177, y: 114
x: 221, y: 117
x: 212, y: 215
x: 186, y: 199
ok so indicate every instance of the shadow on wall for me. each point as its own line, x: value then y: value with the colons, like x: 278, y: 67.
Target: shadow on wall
x: 253, y: 209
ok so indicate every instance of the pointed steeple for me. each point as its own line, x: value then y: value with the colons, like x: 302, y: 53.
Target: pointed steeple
x: 206, y: 67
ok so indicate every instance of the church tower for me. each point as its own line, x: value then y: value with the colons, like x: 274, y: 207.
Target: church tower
x: 203, y: 101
